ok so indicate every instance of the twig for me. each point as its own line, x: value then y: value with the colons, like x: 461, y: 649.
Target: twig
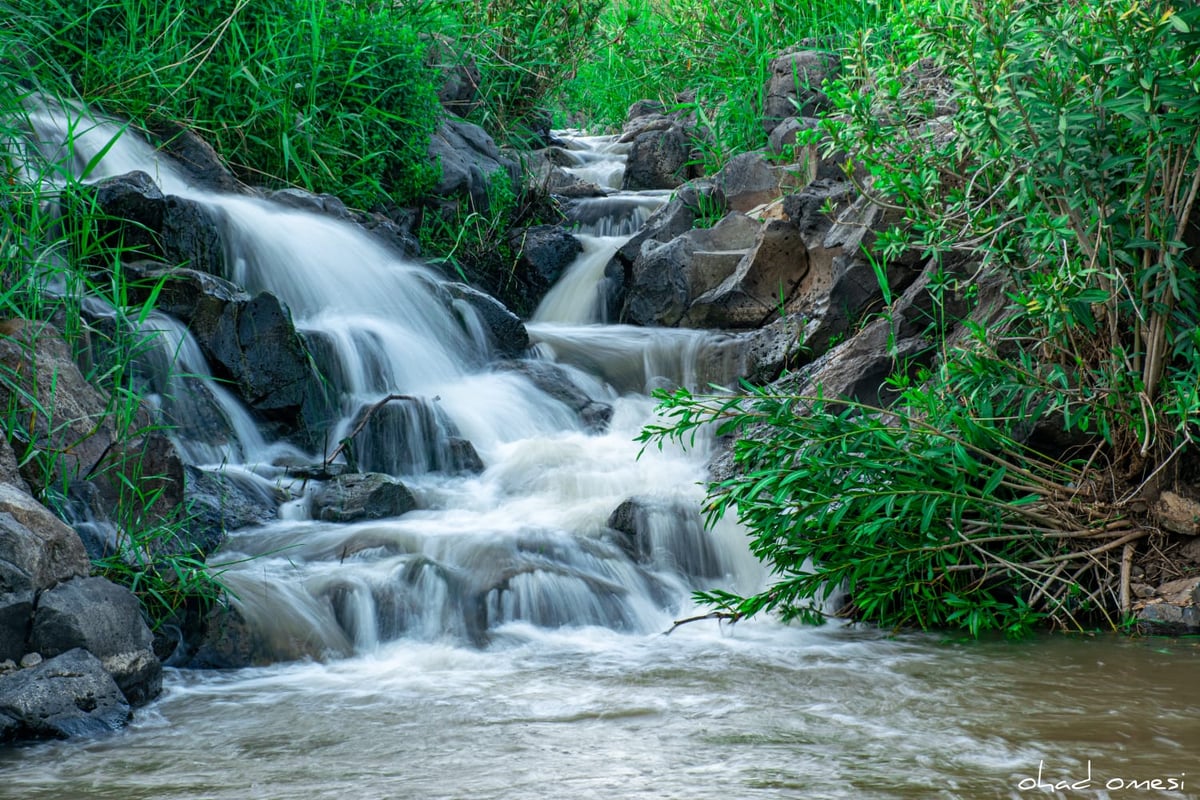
x: 732, y: 616
x: 362, y: 423
x: 1126, y: 573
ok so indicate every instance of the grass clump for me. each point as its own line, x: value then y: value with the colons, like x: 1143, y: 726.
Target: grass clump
x: 330, y: 96
x: 71, y: 405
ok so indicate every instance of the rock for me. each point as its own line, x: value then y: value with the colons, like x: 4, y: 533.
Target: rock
x: 747, y: 181
x: 219, y: 502
x: 667, y: 278
x: 555, y: 381
x: 7, y: 665
x: 1166, y: 619
x: 349, y: 498
x: 250, y: 342
x: 858, y: 368
x: 37, y: 549
x: 657, y: 160
x: 673, y: 219
x: 408, y: 436
x: 469, y: 159
x: 809, y: 208
x: 196, y: 156
x: 70, y: 695
x: 1177, y: 513
x: 794, y: 86
x: 10, y: 471
x: 133, y: 207
x: 324, y: 204
x: 544, y: 252
x: 31, y: 660
x: 764, y: 284
x: 106, y: 620
x: 506, y: 333
x: 1181, y: 592
x: 666, y: 533
x: 658, y: 293
x: 191, y: 236
x: 778, y: 347
x: 16, y: 614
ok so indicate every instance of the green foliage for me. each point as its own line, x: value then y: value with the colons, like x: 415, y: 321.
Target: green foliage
x: 48, y: 265
x: 1054, y: 145
x: 717, y: 53
x: 1071, y: 165
x: 332, y: 96
x: 524, y: 50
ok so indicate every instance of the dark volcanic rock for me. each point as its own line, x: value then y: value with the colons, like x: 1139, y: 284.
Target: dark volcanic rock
x: 543, y: 252
x: 70, y: 695
x: 196, y: 156
x: 555, y: 381
x: 106, y: 620
x: 507, y: 333
x: 191, y: 236
x: 133, y: 210
x: 250, y: 341
x: 469, y: 159
x: 658, y: 160
x: 349, y: 498
x: 794, y: 86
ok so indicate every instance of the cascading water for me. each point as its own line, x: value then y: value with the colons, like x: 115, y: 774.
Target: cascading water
x: 574, y: 693
x: 526, y: 539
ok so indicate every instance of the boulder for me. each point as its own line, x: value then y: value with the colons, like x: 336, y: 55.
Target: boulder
x: 469, y: 159
x: 666, y: 533
x: 674, y: 218
x: 132, y: 207
x: 1177, y: 513
x: 106, y: 620
x: 764, y: 283
x: 543, y: 253
x: 657, y: 160
x: 191, y: 236
x: 219, y: 502
x: 747, y: 181
x: 37, y: 549
x: 409, y: 436
x: 10, y: 470
x: 69, y: 695
x: 196, y: 157
x: 67, y: 416
x: 793, y: 88
x: 349, y: 498
x: 16, y: 615
x: 250, y: 342
x: 506, y: 333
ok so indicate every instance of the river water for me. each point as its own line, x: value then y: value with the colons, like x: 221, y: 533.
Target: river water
x: 502, y: 642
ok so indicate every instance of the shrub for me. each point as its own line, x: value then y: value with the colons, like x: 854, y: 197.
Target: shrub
x: 1069, y: 167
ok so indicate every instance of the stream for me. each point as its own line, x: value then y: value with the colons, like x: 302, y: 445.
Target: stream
x: 500, y: 641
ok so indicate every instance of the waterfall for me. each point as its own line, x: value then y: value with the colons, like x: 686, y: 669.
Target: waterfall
x: 527, y: 539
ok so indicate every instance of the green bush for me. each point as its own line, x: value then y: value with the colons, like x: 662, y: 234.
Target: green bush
x: 1068, y: 166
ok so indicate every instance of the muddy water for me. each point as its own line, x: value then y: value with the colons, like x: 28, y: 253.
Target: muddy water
x: 759, y: 711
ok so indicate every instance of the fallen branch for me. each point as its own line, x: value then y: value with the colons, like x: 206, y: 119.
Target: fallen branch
x: 362, y: 423
x: 731, y: 616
